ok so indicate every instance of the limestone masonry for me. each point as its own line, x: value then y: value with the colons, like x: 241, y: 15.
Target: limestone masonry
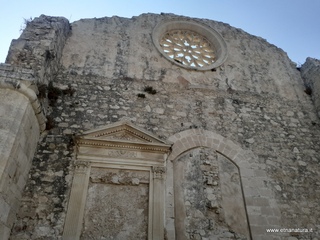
x: 156, y: 127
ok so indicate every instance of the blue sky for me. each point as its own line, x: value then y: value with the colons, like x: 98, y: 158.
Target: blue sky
x: 293, y: 25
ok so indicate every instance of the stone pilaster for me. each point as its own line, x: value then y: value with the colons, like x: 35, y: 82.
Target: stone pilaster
x: 74, y: 218
x: 158, y: 202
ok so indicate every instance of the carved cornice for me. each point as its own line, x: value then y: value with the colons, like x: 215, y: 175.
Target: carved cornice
x: 163, y: 148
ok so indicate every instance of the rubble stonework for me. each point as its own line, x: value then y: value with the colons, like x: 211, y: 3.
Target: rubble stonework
x: 244, y: 136
x: 40, y: 47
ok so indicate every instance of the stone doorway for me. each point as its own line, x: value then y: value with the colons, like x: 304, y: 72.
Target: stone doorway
x: 118, y: 185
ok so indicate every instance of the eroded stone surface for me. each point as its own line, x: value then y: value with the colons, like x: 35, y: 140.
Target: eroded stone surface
x: 213, y: 200
x: 117, y: 205
x: 310, y: 72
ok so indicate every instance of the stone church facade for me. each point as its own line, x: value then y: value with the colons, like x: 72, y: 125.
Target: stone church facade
x: 156, y: 127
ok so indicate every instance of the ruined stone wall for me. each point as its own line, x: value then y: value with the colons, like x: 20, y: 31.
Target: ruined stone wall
x: 32, y: 61
x: 255, y: 99
x: 310, y: 72
x: 39, y: 48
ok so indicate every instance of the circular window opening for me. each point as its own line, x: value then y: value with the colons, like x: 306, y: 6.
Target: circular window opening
x: 190, y: 45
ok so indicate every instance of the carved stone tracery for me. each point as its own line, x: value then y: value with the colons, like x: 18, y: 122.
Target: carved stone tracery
x: 188, y: 48
x: 190, y: 44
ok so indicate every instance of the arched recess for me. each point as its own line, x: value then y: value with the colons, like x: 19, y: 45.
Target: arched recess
x: 261, y: 208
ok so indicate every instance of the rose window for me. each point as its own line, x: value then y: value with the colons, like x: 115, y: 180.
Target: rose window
x: 188, y: 48
x: 190, y: 44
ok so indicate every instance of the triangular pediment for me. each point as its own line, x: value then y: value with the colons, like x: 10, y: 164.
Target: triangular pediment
x: 124, y: 132
x: 122, y: 143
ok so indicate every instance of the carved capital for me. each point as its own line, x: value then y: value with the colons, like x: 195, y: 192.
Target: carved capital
x: 158, y: 172
x: 81, y: 166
